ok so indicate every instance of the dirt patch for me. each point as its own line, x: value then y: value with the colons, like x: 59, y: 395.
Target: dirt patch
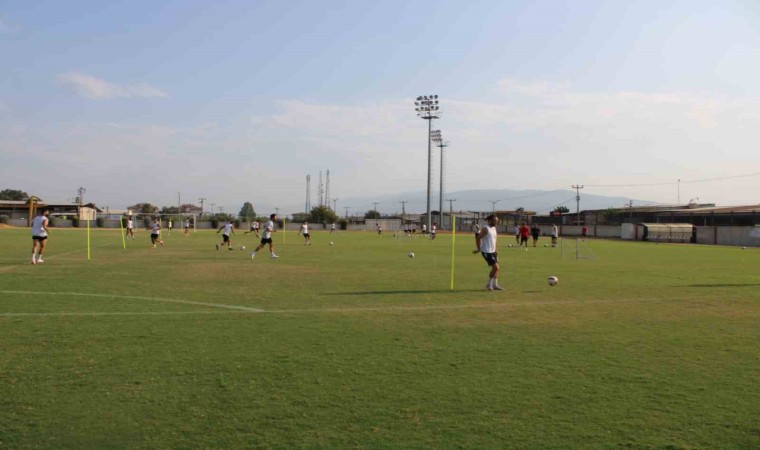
x: 4, y: 226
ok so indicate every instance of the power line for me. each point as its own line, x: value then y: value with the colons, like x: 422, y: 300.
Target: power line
x: 673, y: 183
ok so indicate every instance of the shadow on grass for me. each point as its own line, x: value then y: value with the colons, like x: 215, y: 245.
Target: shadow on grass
x: 407, y: 292
x: 719, y: 285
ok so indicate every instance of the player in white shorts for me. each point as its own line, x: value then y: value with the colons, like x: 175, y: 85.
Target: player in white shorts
x: 226, y: 230
x: 305, y: 231
x: 433, y: 229
x: 155, y: 233
x: 254, y: 228
x: 485, y: 242
x: 39, y: 235
x: 130, y: 226
x: 267, y: 237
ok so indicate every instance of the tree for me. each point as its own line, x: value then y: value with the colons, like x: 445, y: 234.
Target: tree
x: 323, y: 214
x: 147, y: 208
x: 372, y: 214
x: 247, y: 212
x: 520, y: 210
x: 13, y: 194
x: 562, y: 209
x: 169, y: 210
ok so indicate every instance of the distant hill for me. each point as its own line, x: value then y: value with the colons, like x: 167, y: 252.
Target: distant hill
x: 480, y: 200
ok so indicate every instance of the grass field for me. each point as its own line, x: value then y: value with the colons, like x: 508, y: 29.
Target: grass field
x: 357, y: 346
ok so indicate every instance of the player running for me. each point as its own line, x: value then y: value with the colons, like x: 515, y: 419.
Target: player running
x: 305, y: 231
x: 39, y: 235
x: 485, y: 242
x: 379, y: 229
x: 332, y: 228
x: 254, y: 228
x: 226, y: 230
x: 267, y: 238
x: 155, y: 233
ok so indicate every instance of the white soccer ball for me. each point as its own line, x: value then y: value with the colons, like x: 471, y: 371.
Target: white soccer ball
x: 510, y: 245
x: 552, y: 280
x: 242, y: 248
x: 411, y: 254
x: 331, y: 242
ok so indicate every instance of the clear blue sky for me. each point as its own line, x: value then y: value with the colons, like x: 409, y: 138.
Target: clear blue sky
x: 239, y: 100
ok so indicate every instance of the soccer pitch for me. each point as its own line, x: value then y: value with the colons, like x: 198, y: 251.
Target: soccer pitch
x: 355, y: 345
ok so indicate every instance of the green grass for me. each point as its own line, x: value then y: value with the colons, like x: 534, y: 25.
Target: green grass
x: 647, y: 346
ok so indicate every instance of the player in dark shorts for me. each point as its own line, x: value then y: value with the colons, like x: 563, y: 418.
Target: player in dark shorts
x: 485, y: 244
x: 535, y: 232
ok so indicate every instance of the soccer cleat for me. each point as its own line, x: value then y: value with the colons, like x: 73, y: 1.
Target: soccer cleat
x: 217, y: 246
x: 253, y: 255
x: 40, y: 261
x: 34, y: 261
x: 497, y: 288
x: 489, y: 288
x: 229, y: 248
x: 274, y: 256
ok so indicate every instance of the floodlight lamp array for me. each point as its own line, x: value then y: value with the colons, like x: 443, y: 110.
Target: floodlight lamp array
x: 435, y: 136
x: 426, y: 106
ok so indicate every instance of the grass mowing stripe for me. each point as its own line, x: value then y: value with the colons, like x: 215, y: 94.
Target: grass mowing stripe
x: 133, y: 297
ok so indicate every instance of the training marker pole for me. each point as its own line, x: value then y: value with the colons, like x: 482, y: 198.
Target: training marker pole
x: 453, y: 241
x: 123, y: 238
x: 88, y: 239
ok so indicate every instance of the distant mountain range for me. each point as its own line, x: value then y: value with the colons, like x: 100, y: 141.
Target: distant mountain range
x: 480, y: 200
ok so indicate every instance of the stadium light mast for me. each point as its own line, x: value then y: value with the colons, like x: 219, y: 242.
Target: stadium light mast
x: 202, y: 199
x: 375, y: 206
x: 335, y: 204
x: 440, y: 144
x: 493, y: 205
x: 427, y: 109
x: 451, y: 210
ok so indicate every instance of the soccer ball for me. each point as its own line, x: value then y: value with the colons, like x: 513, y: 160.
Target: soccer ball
x: 546, y: 245
x: 411, y: 254
x: 552, y: 280
x: 242, y: 248
x: 510, y: 245
x: 331, y: 242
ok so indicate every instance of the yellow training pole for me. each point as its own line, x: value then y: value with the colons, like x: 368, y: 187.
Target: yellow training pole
x: 453, y: 241
x: 88, y: 239
x: 123, y: 238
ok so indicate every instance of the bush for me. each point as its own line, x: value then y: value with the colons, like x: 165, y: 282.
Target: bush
x: 147, y: 222
x: 100, y: 222
x: 4, y: 218
x: 343, y: 224
x: 75, y: 222
x: 51, y: 221
x: 214, y: 223
x: 237, y: 223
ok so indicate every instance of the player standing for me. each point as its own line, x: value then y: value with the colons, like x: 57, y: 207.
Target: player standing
x: 555, y: 235
x: 129, y: 233
x: 305, y: 230
x: 39, y: 235
x: 226, y: 229
x: 155, y: 233
x: 433, y: 229
x: 485, y: 242
x: 267, y: 238
x: 332, y: 228
x: 187, y: 227
x: 535, y: 233
x: 524, y: 234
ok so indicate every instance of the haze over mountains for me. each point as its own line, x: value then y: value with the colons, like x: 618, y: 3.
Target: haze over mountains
x: 480, y: 200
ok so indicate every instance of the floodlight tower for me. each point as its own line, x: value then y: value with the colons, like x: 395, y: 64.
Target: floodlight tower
x: 427, y: 109
x: 308, y: 193
x: 440, y: 144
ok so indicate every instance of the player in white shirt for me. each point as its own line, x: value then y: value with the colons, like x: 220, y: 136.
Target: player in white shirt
x: 130, y: 226
x: 226, y: 230
x: 424, y: 228
x: 267, y: 238
x: 379, y: 228
x: 39, y: 235
x: 517, y: 234
x: 555, y: 235
x: 433, y: 229
x: 187, y: 228
x: 254, y: 228
x: 485, y: 242
x: 155, y: 233
x: 305, y: 231
x: 170, y: 226
x: 332, y: 228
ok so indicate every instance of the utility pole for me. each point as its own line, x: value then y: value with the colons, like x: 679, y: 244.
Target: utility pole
x: 630, y: 205
x: 679, y: 192
x: 212, y: 208
x: 375, y: 203
x: 403, y: 208
x: 179, y: 210
x: 335, y: 203
x: 346, y: 208
x: 451, y: 211
x: 493, y: 205
x: 202, y: 199
x: 577, y: 188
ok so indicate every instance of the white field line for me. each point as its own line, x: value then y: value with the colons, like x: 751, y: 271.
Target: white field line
x: 243, y: 309
x: 133, y: 297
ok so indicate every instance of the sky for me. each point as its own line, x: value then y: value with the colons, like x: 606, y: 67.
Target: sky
x: 238, y: 100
